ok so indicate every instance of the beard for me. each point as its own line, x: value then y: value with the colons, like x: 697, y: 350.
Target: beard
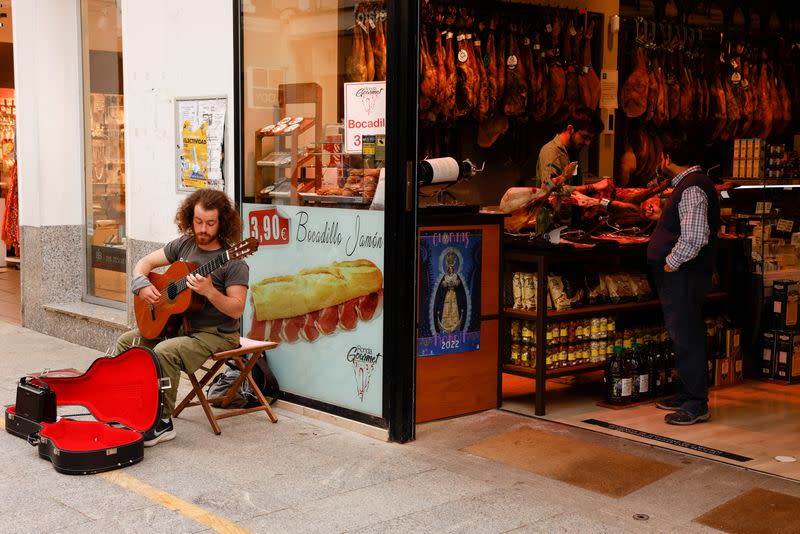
x: 204, y: 239
x: 571, y: 142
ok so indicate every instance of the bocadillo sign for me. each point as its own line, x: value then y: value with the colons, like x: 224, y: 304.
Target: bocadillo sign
x: 316, y: 288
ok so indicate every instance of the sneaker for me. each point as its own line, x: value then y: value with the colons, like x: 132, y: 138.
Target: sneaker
x: 682, y: 417
x: 670, y: 403
x: 163, y: 431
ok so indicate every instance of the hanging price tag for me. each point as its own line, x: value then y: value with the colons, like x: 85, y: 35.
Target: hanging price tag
x: 784, y: 225
x: 763, y: 207
x: 269, y: 227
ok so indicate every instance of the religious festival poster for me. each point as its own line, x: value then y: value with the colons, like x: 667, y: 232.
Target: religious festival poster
x: 449, y: 291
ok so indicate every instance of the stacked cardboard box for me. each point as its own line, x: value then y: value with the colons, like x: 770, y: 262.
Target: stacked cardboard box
x: 780, y: 346
x: 728, y: 366
x: 787, y: 357
x: 775, y: 162
x: 786, y: 304
x: 749, y: 158
x: 767, y: 354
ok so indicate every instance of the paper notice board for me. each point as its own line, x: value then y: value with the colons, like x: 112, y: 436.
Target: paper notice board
x: 199, y: 134
x: 609, y: 88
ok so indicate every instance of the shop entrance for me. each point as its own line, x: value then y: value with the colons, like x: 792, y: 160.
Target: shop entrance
x: 566, y: 300
x: 9, y: 207
x: 553, y: 367
x: 9, y: 194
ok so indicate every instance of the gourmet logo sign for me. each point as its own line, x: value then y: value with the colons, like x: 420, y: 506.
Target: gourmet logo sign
x: 364, y: 113
x: 363, y: 360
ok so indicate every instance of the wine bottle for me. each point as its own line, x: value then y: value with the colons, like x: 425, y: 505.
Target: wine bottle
x: 613, y: 377
x: 634, y: 366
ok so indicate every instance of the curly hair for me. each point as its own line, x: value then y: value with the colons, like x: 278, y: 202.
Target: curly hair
x: 230, y: 223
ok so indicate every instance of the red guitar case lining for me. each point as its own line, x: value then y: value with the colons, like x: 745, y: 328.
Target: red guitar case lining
x: 124, y: 389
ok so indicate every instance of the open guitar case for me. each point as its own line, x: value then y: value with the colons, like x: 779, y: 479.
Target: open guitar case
x: 123, y: 393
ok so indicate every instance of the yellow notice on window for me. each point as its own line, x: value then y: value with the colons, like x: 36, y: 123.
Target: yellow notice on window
x: 195, y: 155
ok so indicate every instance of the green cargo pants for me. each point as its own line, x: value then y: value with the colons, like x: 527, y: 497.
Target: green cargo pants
x: 181, y: 353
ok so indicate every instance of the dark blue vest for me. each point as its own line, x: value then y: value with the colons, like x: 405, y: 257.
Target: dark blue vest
x: 668, y: 229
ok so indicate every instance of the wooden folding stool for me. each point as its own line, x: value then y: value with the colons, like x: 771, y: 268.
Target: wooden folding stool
x: 247, y: 346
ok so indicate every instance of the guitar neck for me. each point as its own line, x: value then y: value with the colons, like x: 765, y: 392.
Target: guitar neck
x: 205, y: 269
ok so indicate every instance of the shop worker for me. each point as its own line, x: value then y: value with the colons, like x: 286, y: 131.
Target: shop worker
x: 577, y: 130
x: 681, y: 255
x: 208, y: 222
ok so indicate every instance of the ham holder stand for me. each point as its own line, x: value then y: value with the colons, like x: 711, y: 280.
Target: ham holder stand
x: 448, y: 172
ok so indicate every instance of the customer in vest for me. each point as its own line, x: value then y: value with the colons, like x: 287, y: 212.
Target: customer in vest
x: 208, y: 223
x: 681, y: 255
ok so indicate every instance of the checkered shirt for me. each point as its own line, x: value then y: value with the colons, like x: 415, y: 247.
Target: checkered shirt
x: 693, y: 213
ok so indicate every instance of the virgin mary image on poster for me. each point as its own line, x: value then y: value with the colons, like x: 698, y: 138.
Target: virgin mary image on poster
x: 449, y: 291
x: 450, y: 302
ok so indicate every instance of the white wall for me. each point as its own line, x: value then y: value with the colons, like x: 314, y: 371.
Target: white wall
x: 49, y: 117
x: 171, y: 48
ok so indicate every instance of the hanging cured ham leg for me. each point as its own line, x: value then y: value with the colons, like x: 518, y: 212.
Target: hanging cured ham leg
x: 557, y: 81
x: 516, y: 99
x: 589, y: 82
x: 357, y: 63
x: 634, y: 90
x: 380, y: 49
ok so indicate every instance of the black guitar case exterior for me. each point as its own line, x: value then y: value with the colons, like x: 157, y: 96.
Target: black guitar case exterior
x: 123, y: 393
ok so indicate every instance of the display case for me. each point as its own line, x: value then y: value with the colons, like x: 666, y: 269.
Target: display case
x: 289, y: 168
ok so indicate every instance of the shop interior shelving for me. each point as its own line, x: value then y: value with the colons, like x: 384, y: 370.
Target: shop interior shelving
x: 286, y: 154
x: 525, y: 255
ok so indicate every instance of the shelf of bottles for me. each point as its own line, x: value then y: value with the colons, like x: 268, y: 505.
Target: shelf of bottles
x: 574, y: 346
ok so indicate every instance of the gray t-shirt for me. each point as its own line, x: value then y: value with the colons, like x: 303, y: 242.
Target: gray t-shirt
x: 233, y: 273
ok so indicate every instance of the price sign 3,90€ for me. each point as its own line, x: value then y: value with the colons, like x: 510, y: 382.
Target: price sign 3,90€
x: 269, y: 227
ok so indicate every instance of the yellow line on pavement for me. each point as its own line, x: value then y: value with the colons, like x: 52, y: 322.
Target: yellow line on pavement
x: 213, y: 521
x: 167, y: 500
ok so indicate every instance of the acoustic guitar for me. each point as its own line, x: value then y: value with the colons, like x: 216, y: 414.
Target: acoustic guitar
x: 155, y: 320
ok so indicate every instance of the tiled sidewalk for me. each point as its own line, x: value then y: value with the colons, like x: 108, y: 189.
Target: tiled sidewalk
x: 303, y: 475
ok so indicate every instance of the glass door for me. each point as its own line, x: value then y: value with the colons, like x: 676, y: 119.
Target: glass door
x: 322, y: 186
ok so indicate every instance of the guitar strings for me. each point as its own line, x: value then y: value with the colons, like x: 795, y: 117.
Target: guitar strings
x: 238, y: 251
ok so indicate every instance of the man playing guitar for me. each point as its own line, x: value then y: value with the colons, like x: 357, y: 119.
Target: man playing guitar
x: 208, y: 222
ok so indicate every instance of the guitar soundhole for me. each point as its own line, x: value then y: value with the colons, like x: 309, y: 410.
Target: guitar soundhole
x: 172, y: 291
